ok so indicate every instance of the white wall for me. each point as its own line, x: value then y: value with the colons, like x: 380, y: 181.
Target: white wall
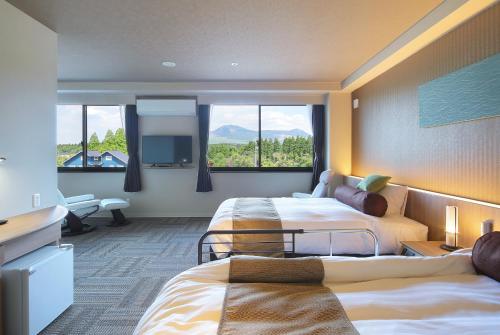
x: 28, y: 86
x: 172, y: 192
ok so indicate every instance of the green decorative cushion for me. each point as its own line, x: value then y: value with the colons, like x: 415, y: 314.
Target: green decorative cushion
x: 373, y: 183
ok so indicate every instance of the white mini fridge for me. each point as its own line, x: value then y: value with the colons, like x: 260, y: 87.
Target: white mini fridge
x: 37, y: 288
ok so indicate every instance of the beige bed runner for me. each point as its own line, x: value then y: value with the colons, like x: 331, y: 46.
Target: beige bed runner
x: 257, y: 213
x: 281, y: 296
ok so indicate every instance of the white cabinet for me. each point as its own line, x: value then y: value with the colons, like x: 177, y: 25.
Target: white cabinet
x: 37, y: 288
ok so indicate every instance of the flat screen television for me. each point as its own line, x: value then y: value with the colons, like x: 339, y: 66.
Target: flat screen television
x: 158, y: 150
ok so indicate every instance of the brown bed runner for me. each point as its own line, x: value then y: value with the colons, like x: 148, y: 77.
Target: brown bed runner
x: 257, y: 213
x: 287, y: 301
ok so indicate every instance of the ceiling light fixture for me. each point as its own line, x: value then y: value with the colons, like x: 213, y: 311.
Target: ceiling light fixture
x: 168, y: 64
x: 234, y: 64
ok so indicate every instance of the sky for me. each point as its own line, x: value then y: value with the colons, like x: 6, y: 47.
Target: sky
x: 102, y: 118
x: 99, y: 120
x: 273, y: 117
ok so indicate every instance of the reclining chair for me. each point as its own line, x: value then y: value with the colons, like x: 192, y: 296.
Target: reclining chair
x: 321, y: 190
x: 83, y: 206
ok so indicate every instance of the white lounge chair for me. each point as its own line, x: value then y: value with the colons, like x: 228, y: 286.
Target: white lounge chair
x: 82, y: 206
x: 321, y: 190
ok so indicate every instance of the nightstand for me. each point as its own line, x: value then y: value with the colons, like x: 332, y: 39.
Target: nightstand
x: 422, y: 248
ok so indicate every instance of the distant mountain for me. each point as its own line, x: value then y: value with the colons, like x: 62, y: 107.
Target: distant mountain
x: 237, y: 134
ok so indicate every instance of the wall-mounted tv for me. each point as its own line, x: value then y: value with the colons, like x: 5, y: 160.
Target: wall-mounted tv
x: 158, y: 150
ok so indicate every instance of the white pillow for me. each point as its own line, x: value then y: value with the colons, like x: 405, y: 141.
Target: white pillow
x: 396, y: 198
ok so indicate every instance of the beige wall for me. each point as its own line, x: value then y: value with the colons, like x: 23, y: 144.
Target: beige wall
x: 338, y: 134
x: 460, y: 159
x: 28, y: 86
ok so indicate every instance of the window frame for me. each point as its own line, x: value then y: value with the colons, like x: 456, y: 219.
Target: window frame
x: 84, y: 167
x: 260, y: 168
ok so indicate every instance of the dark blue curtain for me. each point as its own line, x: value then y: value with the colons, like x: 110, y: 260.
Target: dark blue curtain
x: 204, y: 181
x: 318, y: 128
x: 133, y: 174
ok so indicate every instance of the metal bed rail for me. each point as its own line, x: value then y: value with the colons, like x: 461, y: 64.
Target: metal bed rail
x: 289, y: 239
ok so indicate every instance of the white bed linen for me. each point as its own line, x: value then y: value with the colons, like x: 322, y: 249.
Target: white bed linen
x: 381, y: 295
x: 327, y: 213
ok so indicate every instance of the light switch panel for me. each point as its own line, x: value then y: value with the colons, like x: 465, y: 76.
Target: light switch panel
x: 36, y: 200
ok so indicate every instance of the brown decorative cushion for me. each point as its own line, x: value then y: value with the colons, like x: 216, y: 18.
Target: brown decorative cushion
x: 366, y: 202
x: 486, y: 255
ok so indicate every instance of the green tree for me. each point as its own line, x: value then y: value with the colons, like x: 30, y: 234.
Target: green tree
x: 292, y: 152
x: 120, y: 140
x: 94, y: 142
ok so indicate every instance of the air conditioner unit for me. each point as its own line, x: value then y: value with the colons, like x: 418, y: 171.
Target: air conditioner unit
x: 166, y: 107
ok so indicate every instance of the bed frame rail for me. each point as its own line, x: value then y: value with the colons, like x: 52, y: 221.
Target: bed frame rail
x: 289, y: 241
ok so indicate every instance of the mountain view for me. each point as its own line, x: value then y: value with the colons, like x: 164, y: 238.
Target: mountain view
x: 236, y: 146
x: 239, y: 135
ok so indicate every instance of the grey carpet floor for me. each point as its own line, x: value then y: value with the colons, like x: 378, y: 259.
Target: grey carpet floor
x: 119, y: 271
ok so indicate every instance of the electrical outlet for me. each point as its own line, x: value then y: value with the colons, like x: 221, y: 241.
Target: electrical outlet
x: 36, y: 200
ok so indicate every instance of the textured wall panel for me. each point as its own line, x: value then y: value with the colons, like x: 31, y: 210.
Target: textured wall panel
x: 461, y: 159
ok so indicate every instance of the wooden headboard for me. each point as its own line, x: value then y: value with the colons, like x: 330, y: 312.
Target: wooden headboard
x: 429, y: 208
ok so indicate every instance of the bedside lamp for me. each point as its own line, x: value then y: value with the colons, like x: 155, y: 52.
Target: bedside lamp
x: 451, y: 229
x: 486, y: 226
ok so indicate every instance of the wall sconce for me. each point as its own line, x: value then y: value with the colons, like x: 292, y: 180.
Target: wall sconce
x: 451, y: 229
x: 3, y: 159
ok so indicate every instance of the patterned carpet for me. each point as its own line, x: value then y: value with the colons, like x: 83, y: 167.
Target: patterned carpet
x: 119, y: 271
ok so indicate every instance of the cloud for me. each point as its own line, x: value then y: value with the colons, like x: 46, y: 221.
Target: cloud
x: 99, y: 120
x: 69, y: 124
x: 241, y: 115
x: 273, y: 117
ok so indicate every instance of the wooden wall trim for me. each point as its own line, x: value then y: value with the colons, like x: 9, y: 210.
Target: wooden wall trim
x: 428, y: 208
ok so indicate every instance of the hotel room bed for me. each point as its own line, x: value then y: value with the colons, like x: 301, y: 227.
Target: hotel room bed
x: 325, y: 213
x: 382, y: 295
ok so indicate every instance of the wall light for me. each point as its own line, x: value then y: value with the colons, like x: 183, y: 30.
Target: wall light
x: 169, y: 64
x: 451, y: 229
x: 3, y: 159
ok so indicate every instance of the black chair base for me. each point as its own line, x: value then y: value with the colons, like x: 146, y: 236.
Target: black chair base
x: 74, y: 226
x: 118, y: 219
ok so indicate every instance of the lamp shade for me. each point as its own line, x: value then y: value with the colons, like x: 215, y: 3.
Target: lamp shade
x: 451, y: 225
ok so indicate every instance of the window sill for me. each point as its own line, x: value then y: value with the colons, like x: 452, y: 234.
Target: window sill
x: 90, y: 170
x: 260, y: 170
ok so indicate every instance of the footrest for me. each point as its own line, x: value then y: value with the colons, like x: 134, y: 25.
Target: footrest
x: 114, y: 203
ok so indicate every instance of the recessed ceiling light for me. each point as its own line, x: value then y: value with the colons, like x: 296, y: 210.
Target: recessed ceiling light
x: 234, y: 64
x: 168, y: 64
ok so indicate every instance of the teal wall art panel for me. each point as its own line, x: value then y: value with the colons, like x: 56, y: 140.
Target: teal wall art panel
x: 470, y: 93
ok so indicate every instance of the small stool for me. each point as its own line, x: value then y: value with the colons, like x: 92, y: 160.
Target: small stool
x: 115, y: 205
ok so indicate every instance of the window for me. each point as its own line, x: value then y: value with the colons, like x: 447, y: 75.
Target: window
x: 69, y: 136
x: 91, y: 138
x: 260, y: 138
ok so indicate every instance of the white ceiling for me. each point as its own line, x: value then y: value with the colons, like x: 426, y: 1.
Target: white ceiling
x: 272, y: 40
